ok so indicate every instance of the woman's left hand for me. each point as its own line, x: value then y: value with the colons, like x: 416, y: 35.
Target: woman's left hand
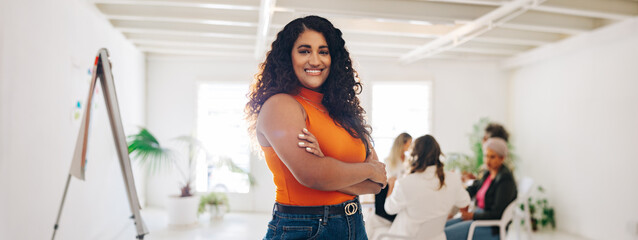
x: 467, y: 215
x: 309, y: 142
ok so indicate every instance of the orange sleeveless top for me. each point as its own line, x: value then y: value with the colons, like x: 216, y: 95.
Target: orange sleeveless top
x: 334, y: 142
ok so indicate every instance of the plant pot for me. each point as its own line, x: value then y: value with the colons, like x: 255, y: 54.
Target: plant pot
x: 182, y: 211
x: 534, y: 225
x: 216, y: 211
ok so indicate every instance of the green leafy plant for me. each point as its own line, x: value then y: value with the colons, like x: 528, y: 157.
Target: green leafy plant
x: 473, y: 164
x: 155, y: 157
x: 540, y: 211
x: 213, y: 199
x: 151, y: 154
x: 464, y: 162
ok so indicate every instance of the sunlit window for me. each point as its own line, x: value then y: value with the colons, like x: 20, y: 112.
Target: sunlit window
x: 222, y: 129
x: 399, y: 107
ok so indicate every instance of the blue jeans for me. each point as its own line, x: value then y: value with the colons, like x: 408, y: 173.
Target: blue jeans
x: 457, y: 229
x: 305, y: 226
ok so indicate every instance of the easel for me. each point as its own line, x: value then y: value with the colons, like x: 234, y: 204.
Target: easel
x: 102, y: 70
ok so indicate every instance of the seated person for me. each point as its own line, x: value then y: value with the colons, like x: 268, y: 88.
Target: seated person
x: 495, y: 130
x: 492, y: 130
x: 493, y: 192
x: 427, y: 193
x: 395, y: 168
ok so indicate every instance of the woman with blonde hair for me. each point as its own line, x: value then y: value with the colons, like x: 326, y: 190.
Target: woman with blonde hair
x: 395, y: 168
x: 395, y: 161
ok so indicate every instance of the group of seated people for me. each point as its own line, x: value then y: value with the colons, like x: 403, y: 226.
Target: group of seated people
x: 421, y: 196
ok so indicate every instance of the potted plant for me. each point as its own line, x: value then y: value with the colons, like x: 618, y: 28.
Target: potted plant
x: 182, y: 208
x: 473, y: 164
x: 216, y: 203
x: 540, y: 211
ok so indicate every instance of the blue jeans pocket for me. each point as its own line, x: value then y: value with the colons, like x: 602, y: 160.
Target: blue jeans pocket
x: 297, y: 232
x: 272, y: 230
x: 289, y: 227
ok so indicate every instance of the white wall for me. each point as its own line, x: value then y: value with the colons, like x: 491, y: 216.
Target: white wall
x: 4, y: 226
x: 574, y: 110
x: 463, y: 92
x: 46, y: 50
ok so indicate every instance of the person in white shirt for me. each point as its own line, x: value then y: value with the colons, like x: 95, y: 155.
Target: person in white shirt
x: 423, y: 198
x: 395, y: 167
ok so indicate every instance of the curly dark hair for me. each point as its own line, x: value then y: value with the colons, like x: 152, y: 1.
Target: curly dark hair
x: 426, y: 152
x: 497, y: 130
x: 340, y: 89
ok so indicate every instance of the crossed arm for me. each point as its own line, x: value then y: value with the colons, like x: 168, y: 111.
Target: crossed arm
x: 311, y: 145
x: 280, y: 119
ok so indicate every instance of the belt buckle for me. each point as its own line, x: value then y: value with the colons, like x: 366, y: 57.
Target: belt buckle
x: 351, y: 208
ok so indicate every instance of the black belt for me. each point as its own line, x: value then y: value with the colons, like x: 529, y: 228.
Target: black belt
x: 346, y: 208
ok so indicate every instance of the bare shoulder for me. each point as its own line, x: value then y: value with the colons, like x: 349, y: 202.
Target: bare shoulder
x: 281, y: 105
x: 279, y: 113
x: 278, y: 101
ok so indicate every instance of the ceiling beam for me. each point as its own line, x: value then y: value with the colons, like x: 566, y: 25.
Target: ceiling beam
x: 179, y: 12
x: 176, y: 26
x: 441, y: 12
x: 266, y: 10
x: 381, y: 45
x: 381, y: 28
x: 423, y: 12
x: 519, y: 37
x: 466, y: 56
x: 160, y: 50
x: 183, y: 33
x: 475, y: 2
x: 356, y: 54
x: 469, y: 31
x: 500, y: 52
x: 552, y: 22
x: 512, y: 41
x: 177, y: 44
x: 231, y: 5
x: 189, y: 39
x: 180, y: 20
x: 496, y: 35
x: 608, y: 9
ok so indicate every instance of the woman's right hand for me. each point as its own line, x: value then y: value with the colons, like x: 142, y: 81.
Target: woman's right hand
x: 309, y: 143
x: 379, y: 174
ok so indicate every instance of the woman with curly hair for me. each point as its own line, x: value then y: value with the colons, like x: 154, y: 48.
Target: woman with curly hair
x: 305, y: 94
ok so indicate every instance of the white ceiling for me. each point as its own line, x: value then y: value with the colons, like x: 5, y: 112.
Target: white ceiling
x: 404, y: 30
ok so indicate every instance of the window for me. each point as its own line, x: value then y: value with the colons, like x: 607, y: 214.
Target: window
x: 222, y: 129
x: 399, y: 107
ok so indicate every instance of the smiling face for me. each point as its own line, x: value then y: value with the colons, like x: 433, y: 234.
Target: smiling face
x: 311, y: 59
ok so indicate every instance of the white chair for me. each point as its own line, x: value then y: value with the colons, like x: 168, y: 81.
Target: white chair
x: 524, y: 189
x: 375, y: 225
x: 433, y: 229
x: 511, y: 213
